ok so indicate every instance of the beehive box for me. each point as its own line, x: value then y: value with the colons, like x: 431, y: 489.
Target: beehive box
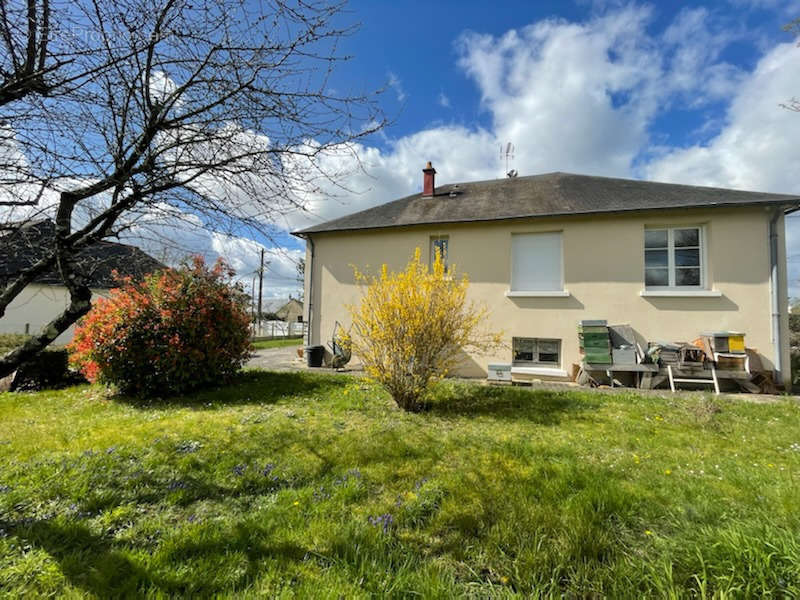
x: 728, y: 342
x: 595, y: 342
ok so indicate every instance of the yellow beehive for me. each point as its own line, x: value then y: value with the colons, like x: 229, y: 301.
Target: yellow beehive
x: 736, y: 343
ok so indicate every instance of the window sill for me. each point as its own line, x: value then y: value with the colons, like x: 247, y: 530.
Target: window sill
x: 543, y: 371
x: 538, y: 294
x: 680, y: 294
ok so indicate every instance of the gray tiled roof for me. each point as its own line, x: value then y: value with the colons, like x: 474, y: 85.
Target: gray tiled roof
x: 551, y: 194
x: 29, y: 243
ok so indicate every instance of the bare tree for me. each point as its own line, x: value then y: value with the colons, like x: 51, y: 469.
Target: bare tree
x: 213, y: 111
x: 26, y: 62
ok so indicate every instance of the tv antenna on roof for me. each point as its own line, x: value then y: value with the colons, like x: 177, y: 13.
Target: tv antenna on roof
x: 507, y: 152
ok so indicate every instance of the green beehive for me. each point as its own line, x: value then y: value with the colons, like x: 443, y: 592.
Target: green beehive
x: 595, y: 342
x: 598, y: 358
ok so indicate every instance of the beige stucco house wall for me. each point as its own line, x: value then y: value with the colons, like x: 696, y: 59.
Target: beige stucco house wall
x: 36, y: 306
x: 603, y: 274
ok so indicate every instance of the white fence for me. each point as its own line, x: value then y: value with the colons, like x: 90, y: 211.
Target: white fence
x: 280, y: 329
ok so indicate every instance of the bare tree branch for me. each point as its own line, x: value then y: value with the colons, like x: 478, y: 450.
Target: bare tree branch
x: 117, y: 112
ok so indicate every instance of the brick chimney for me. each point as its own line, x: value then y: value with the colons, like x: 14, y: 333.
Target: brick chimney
x: 428, y: 186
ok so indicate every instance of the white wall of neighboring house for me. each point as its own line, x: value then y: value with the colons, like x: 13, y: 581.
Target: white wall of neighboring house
x: 36, y: 306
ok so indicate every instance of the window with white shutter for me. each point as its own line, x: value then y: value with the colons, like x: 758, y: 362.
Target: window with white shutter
x: 536, y: 262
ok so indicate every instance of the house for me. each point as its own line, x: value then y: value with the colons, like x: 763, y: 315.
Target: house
x: 547, y: 251
x: 281, y: 309
x: 291, y: 311
x: 47, y: 297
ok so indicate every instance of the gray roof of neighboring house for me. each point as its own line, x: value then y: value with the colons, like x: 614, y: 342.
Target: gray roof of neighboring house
x: 551, y: 194
x: 29, y: 243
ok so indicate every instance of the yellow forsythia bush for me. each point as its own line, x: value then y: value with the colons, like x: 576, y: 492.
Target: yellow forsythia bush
x: 410, y: 328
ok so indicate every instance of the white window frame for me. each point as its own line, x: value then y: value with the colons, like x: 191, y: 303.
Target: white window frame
x: 513, y: 292
x: 536, y: 362
x: 671, y: 269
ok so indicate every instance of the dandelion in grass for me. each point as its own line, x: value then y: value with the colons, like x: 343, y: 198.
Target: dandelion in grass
x: 504, y: 580
x: 668, y: 472
x: 648, y: 532
x: 296, y: 503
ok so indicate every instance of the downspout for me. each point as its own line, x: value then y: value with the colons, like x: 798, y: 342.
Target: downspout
x: 310, y: 298
x: 774, y: 289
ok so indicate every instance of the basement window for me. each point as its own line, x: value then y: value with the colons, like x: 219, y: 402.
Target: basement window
x: 528, y: 352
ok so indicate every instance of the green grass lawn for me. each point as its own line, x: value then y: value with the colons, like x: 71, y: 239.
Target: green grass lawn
x: 300, y: 485
x: 282, y: 343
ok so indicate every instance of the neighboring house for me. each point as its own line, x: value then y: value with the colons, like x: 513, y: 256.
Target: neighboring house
x: 291, y: 311
x: 546, y: 251
x: 47, y: 297
x: 280, y: 309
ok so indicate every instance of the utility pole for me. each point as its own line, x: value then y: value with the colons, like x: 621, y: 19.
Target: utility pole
x: 260, y: 287
x: 253, y: 303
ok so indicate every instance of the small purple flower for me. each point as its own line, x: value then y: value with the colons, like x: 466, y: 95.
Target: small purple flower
x: 111, y: 450
x: 239, y: 470
x: 192, y: 518
x: 384, y: 521
x: 177, y: 485
x: 267, y: 470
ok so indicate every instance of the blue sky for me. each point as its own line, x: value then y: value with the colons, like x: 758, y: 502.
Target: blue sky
x: 418, y: 45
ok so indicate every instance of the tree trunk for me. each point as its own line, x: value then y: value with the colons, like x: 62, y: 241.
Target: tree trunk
x: 80, y: 303
x: 409, y: 402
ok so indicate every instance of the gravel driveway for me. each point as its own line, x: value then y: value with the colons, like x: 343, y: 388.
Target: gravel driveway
x: 285, y: 359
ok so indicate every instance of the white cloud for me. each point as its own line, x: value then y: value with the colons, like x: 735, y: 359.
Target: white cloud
x: 756, y: 148
x: 171, y: 236
x: 443, y: 100
x: 397, y: 85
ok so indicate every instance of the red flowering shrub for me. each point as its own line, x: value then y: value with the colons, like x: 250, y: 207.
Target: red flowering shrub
x: 175, y: 331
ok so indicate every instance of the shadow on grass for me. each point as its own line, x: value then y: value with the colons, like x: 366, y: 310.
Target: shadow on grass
x: 101, y: 566
x: 247, y: 387
x: 541, y: 406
